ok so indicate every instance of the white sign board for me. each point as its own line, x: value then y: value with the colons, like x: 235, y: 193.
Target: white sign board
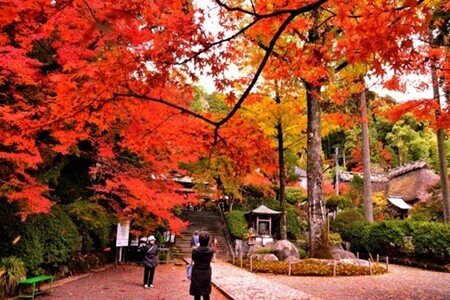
x: 123, y: 234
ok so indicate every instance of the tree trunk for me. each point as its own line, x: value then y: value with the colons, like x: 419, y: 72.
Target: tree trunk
x: 337, y: 170
x: 368, y: 210
x: 443, y: 174
x: 282, y: 175
x: 441, y: 151
x: 319, y: 246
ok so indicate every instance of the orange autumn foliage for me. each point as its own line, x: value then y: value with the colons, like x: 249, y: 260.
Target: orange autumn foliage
x: 119, y: 75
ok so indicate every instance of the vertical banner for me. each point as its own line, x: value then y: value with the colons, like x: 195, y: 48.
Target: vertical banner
x: 123, y: 234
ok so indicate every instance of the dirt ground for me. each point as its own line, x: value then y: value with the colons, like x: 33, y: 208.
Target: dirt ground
x: 125, y: 282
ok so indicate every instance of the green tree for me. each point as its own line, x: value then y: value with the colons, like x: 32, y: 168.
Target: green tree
x: 410, y: 140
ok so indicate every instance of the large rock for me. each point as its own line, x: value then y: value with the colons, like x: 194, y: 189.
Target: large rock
x: 283, y: 249
x: 292, y: 259
x: 253, y: 249
x: 357, y: 262
x: 342, y: 254
x: 265, y: 257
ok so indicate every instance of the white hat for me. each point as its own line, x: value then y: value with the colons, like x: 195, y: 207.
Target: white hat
x: 151, y: 238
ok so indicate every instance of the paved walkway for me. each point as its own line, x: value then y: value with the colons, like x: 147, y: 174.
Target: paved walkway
x: 241, y: 284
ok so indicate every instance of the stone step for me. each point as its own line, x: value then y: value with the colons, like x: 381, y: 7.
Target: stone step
x: 201, y: 221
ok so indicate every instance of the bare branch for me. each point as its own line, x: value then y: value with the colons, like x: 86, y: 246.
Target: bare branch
x: 218, y: 43
x: 295, y: 12
x: 258, y: 71
x: 132, y: 94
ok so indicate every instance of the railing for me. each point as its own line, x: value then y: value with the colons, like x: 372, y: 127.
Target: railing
x: 226, y: 233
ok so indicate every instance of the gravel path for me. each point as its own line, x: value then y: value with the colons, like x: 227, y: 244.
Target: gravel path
x: 400, y: 283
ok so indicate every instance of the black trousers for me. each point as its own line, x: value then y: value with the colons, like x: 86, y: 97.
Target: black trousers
x: 205, y: 297
x: 149, y: 273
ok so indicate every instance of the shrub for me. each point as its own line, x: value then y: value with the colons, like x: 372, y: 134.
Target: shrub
x: 302, y: 253
x: 293, y: 226
x: 348, y: 223
x: 236, y: 223
x: 11, y: 271
x: 58, y: 236
x: 294, y: 195
x: 385, y: 237
x: 381, y: 209
x: 430, y: 240
x: 28, y: 247
x: 263, y: 251
x: 11, y: 226
x: 430, y: 210
x: 93, y: 223
x: 335, y: 238
x: 338, y: 201
x: 310, y: 267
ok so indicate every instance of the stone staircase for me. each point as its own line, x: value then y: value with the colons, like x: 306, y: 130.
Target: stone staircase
x: 201, y: 221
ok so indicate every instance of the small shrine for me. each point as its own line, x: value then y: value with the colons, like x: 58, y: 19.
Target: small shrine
x: 265, y: 223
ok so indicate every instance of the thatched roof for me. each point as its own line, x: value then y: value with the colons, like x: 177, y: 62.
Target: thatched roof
x: 374, y: 177
x: 417, y: 165
x: 412, y: 182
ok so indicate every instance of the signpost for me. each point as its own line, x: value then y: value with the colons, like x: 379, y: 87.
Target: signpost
x: 122, y: 237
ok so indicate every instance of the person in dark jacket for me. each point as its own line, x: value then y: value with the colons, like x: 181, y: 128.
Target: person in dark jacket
x: 150, y: 261
x: 201, y: 271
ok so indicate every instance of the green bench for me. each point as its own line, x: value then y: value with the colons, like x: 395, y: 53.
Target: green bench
x: 35, y: 283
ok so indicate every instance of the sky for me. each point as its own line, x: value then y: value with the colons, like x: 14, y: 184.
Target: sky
x: 411, y: 92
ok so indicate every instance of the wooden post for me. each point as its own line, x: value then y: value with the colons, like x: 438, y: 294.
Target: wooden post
x: 240, y: 256
x: 357, y: 255
x: 370, y: 266
x: 334, y: 268
x: 289, y: 269
x: 251, y: 263
x: 378, y: 258
x: 387, y: 263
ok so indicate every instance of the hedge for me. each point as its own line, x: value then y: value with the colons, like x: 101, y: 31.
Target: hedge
x: 236, y: 223
x: 428, y: 241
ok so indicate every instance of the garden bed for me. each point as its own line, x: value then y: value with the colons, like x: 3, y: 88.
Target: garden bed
x: 311, y: 267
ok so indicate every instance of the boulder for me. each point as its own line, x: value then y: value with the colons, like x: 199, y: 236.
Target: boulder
x: 292, y: 259
x: 342, y: 254
x: 356, y: 262
x: 265, y: 257
x: 254, y: 248
x: 283, y: 249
